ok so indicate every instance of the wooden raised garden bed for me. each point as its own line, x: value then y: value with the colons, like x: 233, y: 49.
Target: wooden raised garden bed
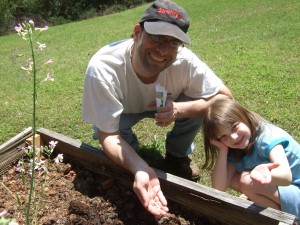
x: 198, y: 198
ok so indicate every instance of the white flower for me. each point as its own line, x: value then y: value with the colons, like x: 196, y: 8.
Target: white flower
x: 18, y: 28
x: 42, y: 29
x: 53, y: 144
x: 59, y: 158
x: 3, y: 213
x: 41, y: 46
x: 13, y: 222
x: 49, y: 77
x: 20, y: 168
x: 50, y: 61
x: 28, y: 68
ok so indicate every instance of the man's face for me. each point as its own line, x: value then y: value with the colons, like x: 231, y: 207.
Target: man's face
x: 155, y: 52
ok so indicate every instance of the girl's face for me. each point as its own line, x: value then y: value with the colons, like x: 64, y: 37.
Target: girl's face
x: 236, y: 136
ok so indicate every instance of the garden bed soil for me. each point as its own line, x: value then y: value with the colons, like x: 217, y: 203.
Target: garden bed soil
x: 75, y: 195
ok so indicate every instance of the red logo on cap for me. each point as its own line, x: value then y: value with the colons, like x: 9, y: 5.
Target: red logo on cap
x: 169, y: 12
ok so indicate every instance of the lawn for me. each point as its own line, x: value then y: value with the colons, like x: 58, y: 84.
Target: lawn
x: 252, y: 45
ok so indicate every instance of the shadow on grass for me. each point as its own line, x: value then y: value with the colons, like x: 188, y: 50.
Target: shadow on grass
x: 152, y: 156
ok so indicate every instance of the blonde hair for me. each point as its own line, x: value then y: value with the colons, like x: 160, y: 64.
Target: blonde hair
x: 226, y: 112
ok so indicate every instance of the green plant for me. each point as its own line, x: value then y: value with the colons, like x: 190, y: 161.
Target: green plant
x: 5, y: 221
x: 38, y: 160
x: 30, y: 34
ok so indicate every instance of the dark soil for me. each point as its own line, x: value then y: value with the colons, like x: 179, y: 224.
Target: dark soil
x: 74, y: 195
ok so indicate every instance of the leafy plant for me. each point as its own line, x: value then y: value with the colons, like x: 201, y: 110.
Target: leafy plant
x: 5, y: 221
x: 30, y: 34
x: 40, y: 163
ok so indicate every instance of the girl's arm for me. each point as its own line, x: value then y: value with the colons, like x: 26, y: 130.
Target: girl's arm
x: 277, y: 173
x: 220, y: 177
x: 281, y: 175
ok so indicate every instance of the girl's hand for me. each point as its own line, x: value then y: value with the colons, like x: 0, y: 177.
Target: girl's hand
x: 219, y: 145
x: 262, y: 173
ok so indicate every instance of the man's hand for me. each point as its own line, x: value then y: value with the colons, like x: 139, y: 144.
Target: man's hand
x: 166, y: 115
x: 147, y: 188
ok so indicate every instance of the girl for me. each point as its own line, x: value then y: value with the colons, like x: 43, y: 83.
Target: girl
x: 252, y: 156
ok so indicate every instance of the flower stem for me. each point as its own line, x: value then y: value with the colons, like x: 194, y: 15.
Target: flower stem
x: 32, y: 183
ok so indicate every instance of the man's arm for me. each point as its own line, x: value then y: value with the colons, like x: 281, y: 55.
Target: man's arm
x: 188, y: 109
x: 118, y: 150
x: 195, y: 108
x: 146, y: 184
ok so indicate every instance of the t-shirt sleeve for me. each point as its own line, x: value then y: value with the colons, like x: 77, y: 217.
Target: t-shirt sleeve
x: 271, y: 137
x: 101, y: 105
x: 203, y: 82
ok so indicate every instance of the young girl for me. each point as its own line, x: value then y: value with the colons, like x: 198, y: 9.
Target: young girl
x: 252, y: 156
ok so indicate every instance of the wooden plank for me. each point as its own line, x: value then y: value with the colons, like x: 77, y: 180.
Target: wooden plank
x: 11, y: 151
x: 86, y: 155
x: 201, y: 199
x: 15, y: 140
x: 220, y: 205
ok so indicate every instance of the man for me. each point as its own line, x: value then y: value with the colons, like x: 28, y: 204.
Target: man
x: 119, y: 91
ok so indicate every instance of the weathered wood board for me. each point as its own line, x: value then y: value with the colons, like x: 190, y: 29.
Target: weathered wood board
x: 201, y: 199
x: 10, y: 151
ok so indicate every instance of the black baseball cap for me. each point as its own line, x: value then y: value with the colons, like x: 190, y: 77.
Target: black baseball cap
x: 164, y: 17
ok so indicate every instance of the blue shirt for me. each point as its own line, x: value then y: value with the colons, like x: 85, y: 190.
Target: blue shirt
x: 270, y: 137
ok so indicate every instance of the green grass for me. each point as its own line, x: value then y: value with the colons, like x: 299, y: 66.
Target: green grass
x: 252, y: 45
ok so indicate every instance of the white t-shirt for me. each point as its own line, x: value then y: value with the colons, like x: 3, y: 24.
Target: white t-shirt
x: 111, y: 87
